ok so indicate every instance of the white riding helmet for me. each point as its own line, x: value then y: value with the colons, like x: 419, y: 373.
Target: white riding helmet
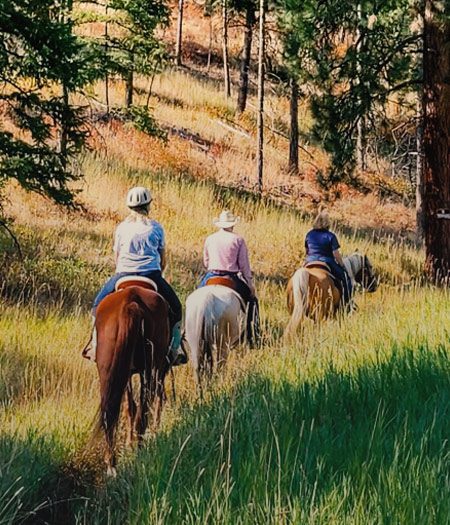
x: 138, y: 196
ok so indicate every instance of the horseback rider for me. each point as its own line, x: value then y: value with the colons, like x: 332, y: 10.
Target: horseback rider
x: 140, y: 249
x: 322, y: 245
x: 225, y: 254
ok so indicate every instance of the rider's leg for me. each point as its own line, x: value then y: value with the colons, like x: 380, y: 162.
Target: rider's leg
x: 252, y: 323
x: 90, y: 350
x: 178, y: 356
x: 344, y: 279
x: 107, y: 288
x: 205, y: 278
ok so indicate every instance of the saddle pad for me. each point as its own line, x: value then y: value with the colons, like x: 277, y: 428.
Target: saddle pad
x: 136, y: 280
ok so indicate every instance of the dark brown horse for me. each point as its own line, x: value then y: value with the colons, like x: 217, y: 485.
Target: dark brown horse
x: 132, y: 337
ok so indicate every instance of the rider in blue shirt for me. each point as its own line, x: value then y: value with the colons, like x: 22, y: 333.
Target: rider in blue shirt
x: 322, y: 245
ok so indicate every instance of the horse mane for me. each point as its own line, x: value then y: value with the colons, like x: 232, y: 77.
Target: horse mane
x: 354, y: 263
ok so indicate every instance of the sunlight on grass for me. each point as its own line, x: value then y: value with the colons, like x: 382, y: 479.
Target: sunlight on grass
x: 334, y: 428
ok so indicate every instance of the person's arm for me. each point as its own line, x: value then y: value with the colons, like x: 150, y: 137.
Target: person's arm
x: 116, y: 245
x: 244, y: 267
x: 205, y: 255
x: 336, y: 253
x: 338, y: 257
x: 162, y: 254
x: 162, y: 248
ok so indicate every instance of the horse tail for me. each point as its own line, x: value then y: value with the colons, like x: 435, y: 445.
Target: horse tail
x: 129, y: 331
x: 300, y: 283
x: 199, y: 327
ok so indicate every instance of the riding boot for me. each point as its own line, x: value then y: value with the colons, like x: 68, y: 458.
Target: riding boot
x: 253, y: 324
x: 90, y: 350
x: 177, y: 355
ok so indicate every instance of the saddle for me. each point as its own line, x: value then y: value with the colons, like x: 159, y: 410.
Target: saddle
x: 136, y: 280
x: 324, y: 266
x: 222, y: 280
x: 318, y: 264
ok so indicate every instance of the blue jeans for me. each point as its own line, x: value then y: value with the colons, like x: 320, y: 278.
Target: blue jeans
x: 339, y: 272
x: 164, y: 289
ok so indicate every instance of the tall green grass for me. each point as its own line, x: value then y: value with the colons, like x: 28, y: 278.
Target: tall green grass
x: 347, y: 425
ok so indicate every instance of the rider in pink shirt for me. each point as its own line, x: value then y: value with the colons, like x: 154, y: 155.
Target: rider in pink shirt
x: 225, y: 254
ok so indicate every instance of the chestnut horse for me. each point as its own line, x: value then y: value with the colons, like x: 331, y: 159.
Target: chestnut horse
x: 132, y: 337
x: 312, y: 292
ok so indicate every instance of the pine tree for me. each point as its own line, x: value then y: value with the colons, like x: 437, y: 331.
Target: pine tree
x: 248, y: 8
x: 354, y: 60
x: 39, y: 58
x: 436, y: 140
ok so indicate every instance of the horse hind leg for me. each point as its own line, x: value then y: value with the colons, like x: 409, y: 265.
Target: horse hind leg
x: 131, y: 414
x: 158, y: 400
x: 144, y: 407
x: 110, y: 455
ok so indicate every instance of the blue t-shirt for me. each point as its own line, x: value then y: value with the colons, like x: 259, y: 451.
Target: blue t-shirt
x: 137, y: 245
x: 321, y: 243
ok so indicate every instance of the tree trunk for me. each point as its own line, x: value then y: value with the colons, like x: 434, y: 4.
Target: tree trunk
x: 226, y: 65
x: 129, y: 81
x: 436, y: 142
x: 245, y: 60
x: 261, y: 53
x: 64, y: 131
x: 293, y: 133
x: 106, y: 54
x: 419, y: 175
x: 64, y: 136
x: 360, y: 127
x: 210, y: 43
x: 179, y: 41
x: 361, y: 145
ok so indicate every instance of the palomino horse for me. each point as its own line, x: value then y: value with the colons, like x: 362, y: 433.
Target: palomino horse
x: 312, y: 292
x: 215, y: 322
x: 132, y: 337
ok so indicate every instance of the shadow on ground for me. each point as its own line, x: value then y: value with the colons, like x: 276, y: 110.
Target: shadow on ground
x: 370, y: 444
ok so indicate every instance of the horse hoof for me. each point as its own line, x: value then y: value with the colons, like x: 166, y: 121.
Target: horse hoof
x: 111, y: 472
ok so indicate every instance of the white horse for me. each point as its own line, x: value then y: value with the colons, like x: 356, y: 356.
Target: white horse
x: 215, y: 322
x: 311, y: 291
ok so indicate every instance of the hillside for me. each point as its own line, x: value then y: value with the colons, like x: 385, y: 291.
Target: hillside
x: 208, y: 139
x: 337, y: 426
x: 347, y: 425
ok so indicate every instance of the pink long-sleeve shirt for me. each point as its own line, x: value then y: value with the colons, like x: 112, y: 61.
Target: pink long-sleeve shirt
x: 226, y: 251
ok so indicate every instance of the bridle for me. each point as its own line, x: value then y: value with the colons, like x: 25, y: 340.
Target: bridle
x: 365, y: 276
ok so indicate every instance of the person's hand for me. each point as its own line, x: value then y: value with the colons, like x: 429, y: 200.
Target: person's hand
x: 252, y: 291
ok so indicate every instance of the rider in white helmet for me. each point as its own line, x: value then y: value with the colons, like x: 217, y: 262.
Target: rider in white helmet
x: 139, y: 248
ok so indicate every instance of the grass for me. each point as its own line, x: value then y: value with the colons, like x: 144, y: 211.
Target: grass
x: 348, y: 425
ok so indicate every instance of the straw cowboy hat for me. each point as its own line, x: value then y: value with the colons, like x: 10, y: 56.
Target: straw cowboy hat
x: 226, y: 220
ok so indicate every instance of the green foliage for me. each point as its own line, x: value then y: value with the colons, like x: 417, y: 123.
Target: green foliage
x: 39, y: 54
x: 143, y: 121
x: 129, y: 43
x: 351, y: 63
